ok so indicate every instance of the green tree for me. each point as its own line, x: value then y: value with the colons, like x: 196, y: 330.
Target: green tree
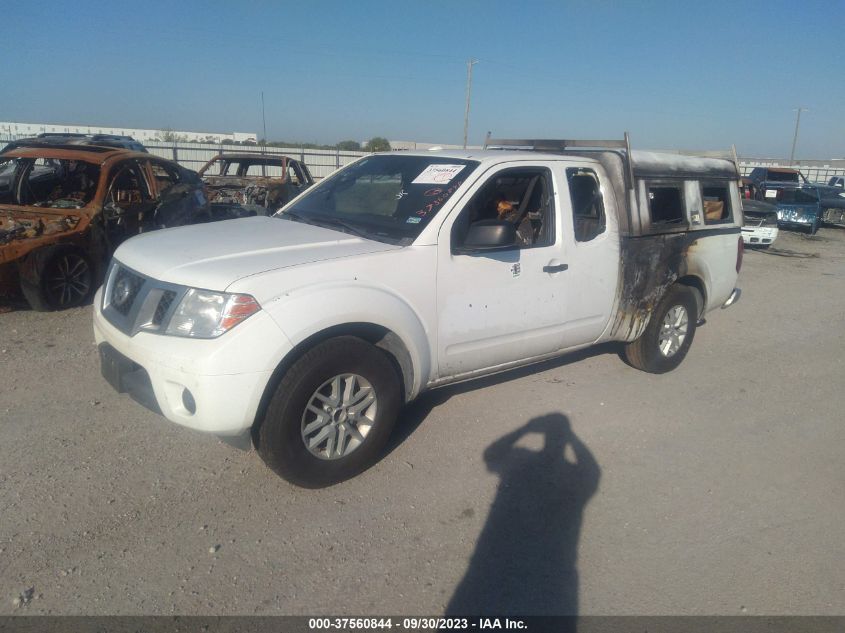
x: 377, y: 144
x: 167, y: 135
x: 349, y: 146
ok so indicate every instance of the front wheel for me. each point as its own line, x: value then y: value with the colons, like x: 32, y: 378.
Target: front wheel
x: 331, y: 414
x: 668, y: 335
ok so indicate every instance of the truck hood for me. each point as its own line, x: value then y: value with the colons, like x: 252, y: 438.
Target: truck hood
x: 758, y: 208
x: 213, y: 256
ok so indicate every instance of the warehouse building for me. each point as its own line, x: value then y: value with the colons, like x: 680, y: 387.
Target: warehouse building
x: 12, y: 129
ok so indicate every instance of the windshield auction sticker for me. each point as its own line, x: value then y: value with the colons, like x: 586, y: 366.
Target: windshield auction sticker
x: 437, y: 174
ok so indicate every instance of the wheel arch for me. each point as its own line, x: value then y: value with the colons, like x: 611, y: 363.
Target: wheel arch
x: 697, y: 284
x: 378, y: 335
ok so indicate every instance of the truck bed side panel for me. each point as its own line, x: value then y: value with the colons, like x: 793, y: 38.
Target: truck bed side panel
x: 652, y: 263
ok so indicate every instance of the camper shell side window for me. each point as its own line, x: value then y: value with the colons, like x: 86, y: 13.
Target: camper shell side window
x: 716, y: 202
x: 665, y: 205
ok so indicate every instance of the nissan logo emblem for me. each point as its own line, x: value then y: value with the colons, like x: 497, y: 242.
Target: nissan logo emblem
x: 121, y: 292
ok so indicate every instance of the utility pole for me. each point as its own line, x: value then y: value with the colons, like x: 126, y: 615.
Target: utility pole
x: 470, y: 63
x: 263, y: 120
x: 264, y: 144
x: 795, y: 138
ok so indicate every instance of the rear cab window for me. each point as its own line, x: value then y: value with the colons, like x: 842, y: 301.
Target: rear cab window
x: 588, y: 215
x: 782, y: 176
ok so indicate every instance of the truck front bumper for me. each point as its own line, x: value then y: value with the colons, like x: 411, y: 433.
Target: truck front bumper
x: 212, y: 385
x: 759, y: 235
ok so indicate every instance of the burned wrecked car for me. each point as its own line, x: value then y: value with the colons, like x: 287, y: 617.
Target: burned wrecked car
x: 65, y: 209
x: 241, y: 185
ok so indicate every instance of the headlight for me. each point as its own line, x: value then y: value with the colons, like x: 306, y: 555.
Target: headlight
x: 205, y: 314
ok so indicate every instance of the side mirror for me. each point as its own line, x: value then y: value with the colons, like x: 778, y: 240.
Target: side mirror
x: 489, y: 235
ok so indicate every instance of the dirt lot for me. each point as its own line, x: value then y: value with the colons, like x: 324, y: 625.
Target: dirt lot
x: 715, y: 489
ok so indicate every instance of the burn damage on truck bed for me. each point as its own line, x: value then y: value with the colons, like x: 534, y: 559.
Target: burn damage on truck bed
x: 649, y: 266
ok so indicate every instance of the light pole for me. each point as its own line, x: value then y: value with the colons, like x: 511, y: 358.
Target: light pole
x: 263, y: 121
x: 470, y: 63
x: 264, y: 142
x: 795, y: 138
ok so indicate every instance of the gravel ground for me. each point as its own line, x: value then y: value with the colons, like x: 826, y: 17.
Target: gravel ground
x: 715, y: 489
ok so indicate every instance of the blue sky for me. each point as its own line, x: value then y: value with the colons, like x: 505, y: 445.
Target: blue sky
x: 693, y: 75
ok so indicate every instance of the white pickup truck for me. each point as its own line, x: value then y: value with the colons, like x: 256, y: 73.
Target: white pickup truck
x: 407, y: 271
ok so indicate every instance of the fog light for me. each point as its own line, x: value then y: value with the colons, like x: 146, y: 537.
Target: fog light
x: 188, y: 401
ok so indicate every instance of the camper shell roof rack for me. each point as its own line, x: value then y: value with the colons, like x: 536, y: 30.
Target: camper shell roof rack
x: 563, y: 145
x: 638, y: 162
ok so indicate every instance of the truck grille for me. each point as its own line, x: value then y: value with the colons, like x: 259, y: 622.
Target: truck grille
x: 163, y: 306
x: 133, y: 302
x: 124, y: 290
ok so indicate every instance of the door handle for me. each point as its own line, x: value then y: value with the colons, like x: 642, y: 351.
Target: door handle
x: 555, y: 268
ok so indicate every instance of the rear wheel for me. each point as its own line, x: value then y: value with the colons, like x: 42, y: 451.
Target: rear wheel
x: 58, y: 278
x: 668, y: 335
x: 331, y: 414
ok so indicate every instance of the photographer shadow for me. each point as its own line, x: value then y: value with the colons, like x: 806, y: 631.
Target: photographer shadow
x: 525, y: 559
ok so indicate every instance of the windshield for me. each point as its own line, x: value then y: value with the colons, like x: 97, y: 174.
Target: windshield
x: 384, y: 197
x: 797, y: 196
x: 48, y: 182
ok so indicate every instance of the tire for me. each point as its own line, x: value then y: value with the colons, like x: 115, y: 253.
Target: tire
x: 645, y: 353
x: 58, y: 278
x: 319, y: 382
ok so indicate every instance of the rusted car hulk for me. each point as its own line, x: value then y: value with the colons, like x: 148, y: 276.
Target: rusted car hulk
x: 64, y: 210
x: 244, y: 184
